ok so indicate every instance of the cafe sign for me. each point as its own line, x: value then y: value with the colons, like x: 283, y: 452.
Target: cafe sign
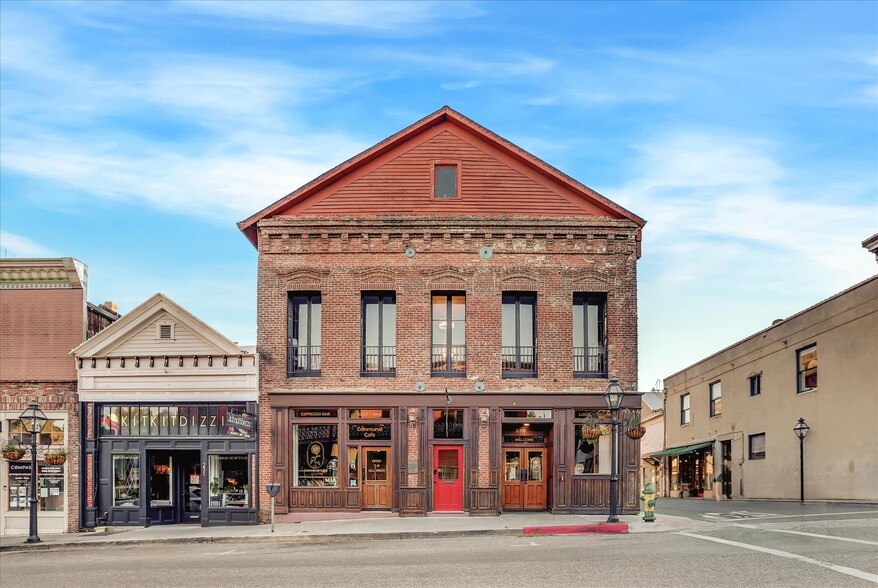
x: 370, y: 432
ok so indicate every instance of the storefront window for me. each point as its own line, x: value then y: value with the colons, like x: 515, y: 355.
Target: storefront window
x: 126, y: 473
x: 315, y: 453
x: 161, y: 480
x: 52, y: 434
x: 448, y: 424
x: 50, y: 487
x: 229, y: 477
x: 592, y: 455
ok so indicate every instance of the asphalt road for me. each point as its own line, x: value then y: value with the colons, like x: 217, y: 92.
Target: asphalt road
x: 802, y: 548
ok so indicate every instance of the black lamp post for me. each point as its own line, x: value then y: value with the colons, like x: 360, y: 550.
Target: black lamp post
x: 801, y: 429
x: 33, y: 420
x: 613, y: 397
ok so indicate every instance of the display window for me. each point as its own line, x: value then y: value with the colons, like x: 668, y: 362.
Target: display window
x: 315, y: 453
x: 126, y: 475
x: 52, y: 434
x: 50, y: 487
x: 229, y: 477
x: 592, y: 455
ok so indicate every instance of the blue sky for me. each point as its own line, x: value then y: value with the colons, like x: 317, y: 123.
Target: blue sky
x: 134, y: 135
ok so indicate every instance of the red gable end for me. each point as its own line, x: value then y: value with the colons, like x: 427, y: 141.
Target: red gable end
x: 395, y: 177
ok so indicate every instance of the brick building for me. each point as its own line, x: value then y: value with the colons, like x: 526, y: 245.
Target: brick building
x: 43, y: 315
x: 438, y: 317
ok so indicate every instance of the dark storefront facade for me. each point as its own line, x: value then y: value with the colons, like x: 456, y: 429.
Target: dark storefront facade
x: 165, y: 464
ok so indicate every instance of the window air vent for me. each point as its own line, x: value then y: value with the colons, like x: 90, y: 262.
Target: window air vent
x: 166, y: 332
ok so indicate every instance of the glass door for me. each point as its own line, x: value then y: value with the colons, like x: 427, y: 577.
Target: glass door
x: 376, y: 477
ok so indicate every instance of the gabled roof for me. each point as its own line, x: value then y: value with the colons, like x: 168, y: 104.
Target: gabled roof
x: 103, y: 344
x: 443, y: 115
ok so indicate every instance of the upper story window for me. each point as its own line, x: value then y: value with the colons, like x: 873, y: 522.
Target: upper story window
x: 379, y: 334
x: 755, y: 384
x: 685, y: 415
x: 806, y: 360
x: 757, y: 446
x: 449, y: 335
x: 519, y: 352
x: 303, y: 334
x: 589, y: 335
x: 716, y: 399
x: 445, y: 179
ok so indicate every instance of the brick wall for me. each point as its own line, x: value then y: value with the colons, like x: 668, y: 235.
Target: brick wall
x: 343, y: 256
x: 38, y: 328
x: 52, y: 396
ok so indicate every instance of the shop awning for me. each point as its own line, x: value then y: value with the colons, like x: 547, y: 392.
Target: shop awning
x: 682, y: 450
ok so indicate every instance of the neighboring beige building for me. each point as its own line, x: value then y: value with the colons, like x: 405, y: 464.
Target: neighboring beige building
x: 731, y: 415
x: 652, y: 418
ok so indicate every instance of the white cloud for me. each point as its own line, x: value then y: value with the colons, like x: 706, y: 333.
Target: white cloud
x: 399, y: 18
x: 12, y: 245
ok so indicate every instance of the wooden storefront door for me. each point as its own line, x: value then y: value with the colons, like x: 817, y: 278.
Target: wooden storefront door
x: 524, y: 479
x: 447, y: 478
x: 376, y: 477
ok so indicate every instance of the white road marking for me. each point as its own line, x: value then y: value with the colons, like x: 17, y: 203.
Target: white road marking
x: 229, y: 552
x: 863, y: 541
x: 529, y: 544
x: 824, y: 564
x: 757, y: 515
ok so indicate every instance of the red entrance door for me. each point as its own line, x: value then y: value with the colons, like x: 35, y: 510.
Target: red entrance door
x: 447, y: 482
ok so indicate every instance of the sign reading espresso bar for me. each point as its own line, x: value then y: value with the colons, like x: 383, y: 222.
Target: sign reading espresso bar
x: 311, y: 413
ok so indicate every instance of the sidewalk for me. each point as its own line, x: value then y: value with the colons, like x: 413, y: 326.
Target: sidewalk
x: 362, y: 526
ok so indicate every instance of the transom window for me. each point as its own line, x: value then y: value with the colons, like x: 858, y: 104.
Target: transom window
x: 445, y: 181
x: 303, y: 334
x: 589, y: 335
x: 448, y: 423
x: 716, y: 399
x: 449, y: 335
x: 379, y: 334
x: 685, y: 415
x: 519, y: 335
x: 806, y: 359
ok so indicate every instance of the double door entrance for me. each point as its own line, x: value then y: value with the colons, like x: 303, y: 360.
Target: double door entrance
x: 174, y: 487
x: 524, y: 479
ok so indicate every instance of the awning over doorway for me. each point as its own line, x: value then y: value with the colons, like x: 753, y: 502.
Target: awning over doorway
x: 682, y: 450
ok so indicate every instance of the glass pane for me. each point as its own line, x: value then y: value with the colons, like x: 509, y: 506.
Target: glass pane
x: 389, y: 317
x: 160, y: 480
x: 371, y: 323
x: 593, y: 326
x: 578, y: 325
x: 458, y: 307
x: 447, y: 467
x: 440, y: 307
x: 508, y: 324
x: 229, y: 480
x: 458, y: 333
x: 353, y: 472
x: 446, y: 181
x: 525, y: 319
x: 316, y: 309
x: 376, y: 465
x: 448, y: 424
x: 512, y: 466
x: 315, y: 451
x: 300, y: 320
x: 439, y: 333
x: 535, y: 466
x: 126, y: 480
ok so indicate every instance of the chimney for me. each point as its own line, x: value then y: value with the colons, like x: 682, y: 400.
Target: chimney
x: 111, y: 306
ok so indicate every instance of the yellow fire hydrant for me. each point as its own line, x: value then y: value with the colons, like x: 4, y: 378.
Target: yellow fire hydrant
x: 648, y: 498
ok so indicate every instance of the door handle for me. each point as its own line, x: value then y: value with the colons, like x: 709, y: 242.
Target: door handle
x: 364, y: 474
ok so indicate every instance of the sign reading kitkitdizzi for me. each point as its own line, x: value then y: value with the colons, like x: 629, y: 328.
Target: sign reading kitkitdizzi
x: 202, y: 420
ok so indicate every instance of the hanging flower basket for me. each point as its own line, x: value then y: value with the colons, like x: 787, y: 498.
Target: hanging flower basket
x: 591, y: 432
x: 56, y: 457
x: 636, y: 432
x: 13, y: 454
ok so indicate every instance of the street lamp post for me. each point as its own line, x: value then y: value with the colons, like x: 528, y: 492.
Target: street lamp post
x: 33, y: 420
x: 801, y: 429
x: 613, y: 397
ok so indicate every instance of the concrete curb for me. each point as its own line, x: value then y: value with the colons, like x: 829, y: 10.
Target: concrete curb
x: 612, y: 528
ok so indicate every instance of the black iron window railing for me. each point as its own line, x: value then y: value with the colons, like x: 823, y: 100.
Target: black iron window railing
x: 379, y: 360
x: 303, y: 359
x: 449, y: 360
x: 590, y: 361
x: 519, y: 361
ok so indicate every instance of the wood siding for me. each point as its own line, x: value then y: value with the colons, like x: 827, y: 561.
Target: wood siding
x: 490, y: 183
x: 146, y: 342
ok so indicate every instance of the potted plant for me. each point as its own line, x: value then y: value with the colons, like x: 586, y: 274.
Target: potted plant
x: 591, y: 429
x: 56, y: 456
x: 635, y: 429
x: 12, y: 450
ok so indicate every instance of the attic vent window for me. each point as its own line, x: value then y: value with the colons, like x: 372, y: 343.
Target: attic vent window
x: 445, y: 181
x: 166, y: 331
